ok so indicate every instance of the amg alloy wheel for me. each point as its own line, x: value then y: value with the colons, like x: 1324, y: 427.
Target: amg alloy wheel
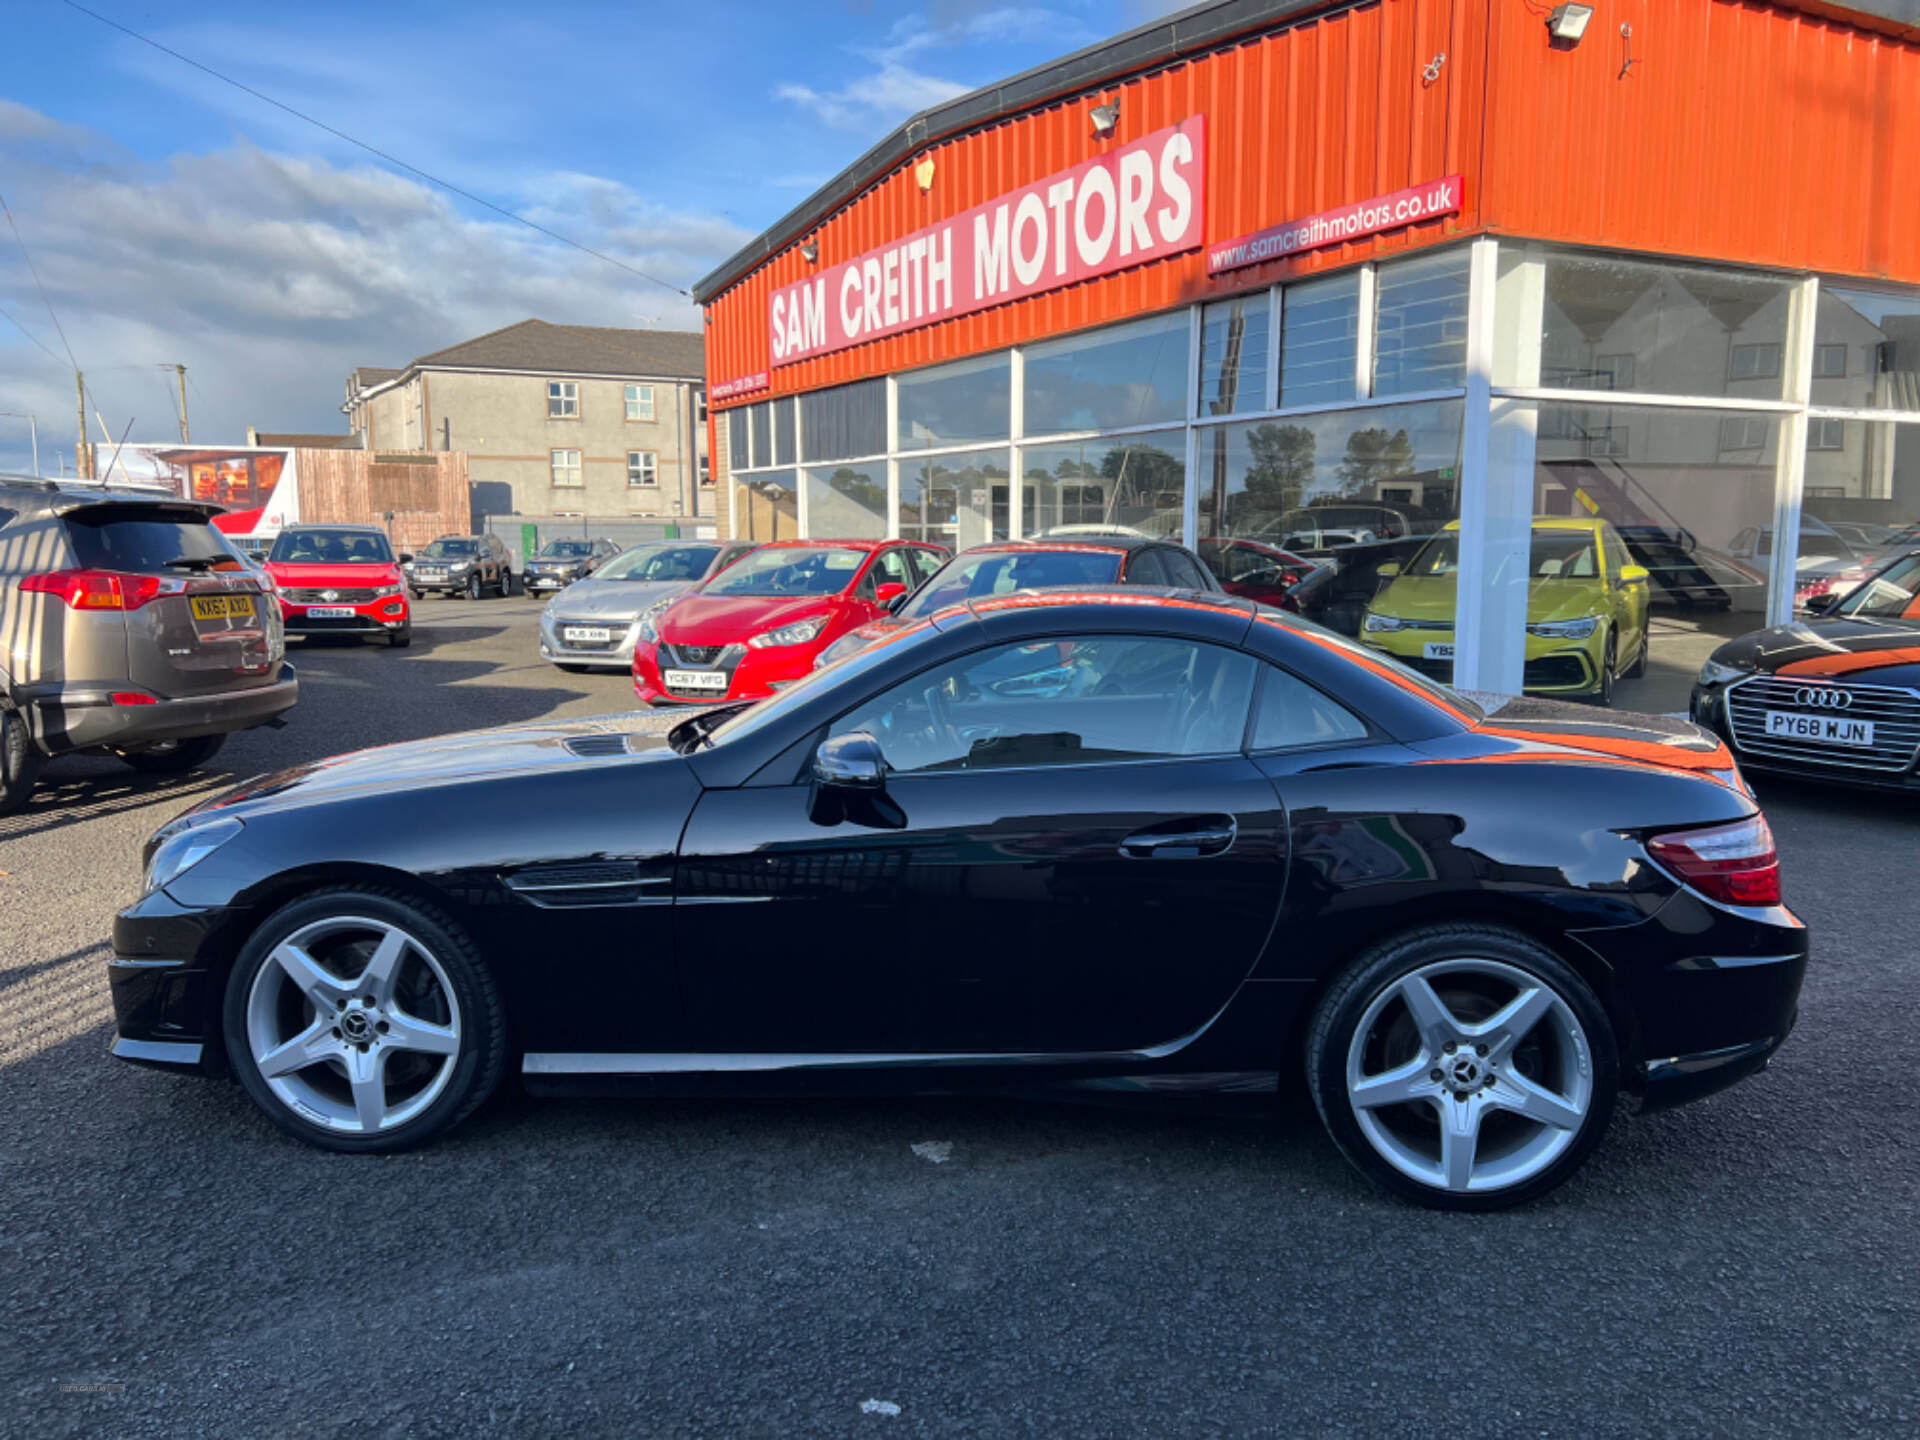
x: 1463, y: 1067
x: 359, y: 1021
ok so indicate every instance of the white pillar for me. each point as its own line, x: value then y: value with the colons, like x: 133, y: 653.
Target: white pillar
x: 1790, y: 457
x: 1190, y: 491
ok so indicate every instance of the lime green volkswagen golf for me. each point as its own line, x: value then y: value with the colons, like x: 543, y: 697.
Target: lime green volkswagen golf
x: 1586, y: 609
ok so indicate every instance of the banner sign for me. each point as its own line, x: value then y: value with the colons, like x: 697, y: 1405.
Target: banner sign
x: 258, y: 486
x: 1330, y: 227
x: 742, y: 385
x: 1142, y: 201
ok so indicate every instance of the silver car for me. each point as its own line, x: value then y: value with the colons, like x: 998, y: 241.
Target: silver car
x: 594, y: 622
x: 127, y: 627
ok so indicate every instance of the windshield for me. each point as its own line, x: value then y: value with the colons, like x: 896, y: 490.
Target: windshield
x: 1556, y: 555
x: 565, y: 549
x: 450, y: 549
x: 971, y: 577
x: 659, y: 562
x: 331, y: 547
x: 145, y: 539
x: 789, y: 570
x: 1893, y: 594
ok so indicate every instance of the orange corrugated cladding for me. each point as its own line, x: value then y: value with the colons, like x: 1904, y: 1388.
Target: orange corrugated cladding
x: 1741, y: 134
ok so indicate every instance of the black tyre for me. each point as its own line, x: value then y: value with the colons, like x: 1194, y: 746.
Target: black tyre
x: 403, y: 637
x: 1463, y: 1067
x: 418, y: 595
x: 363, y: 1020
x: 20, y: 760
x: 474, y: 588
x: 1603, y: 692
x: 1639, y: 667
x: 174, y: 757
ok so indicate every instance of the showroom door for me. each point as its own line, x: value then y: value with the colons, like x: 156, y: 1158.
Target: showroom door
x: 1008, y: 893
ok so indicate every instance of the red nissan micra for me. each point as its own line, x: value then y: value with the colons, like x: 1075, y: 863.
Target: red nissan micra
x: 756, y: 626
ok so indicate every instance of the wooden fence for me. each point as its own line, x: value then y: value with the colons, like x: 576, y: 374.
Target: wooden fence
x: 424, y: 492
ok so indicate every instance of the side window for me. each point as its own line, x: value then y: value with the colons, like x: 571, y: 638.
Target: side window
x: 1294, y: 715
x: 925, y: 562
x: 1145, y: 569
x: 891, y: 569
x: 1080, y: 701
x: 1614, y: 548
x: 1183, y: 570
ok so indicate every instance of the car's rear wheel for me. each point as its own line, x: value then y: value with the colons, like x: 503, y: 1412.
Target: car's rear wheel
x: 360, y: 1020
x: 174, y: 757
x: 1463, y: 1067
x: 20, y: 760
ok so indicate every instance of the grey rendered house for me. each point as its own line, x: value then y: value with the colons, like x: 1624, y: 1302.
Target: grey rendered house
x: 556, y: 420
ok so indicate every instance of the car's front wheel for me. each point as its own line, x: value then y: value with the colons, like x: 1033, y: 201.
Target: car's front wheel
x: 362, y: 1020
x: 1464, y: 1067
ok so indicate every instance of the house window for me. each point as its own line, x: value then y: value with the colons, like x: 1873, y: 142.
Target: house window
x: 1830, y: 362
x: 1826, y: 434
x: 643, y: 466
x: 1743, y: 432
x: 1754, y: 362
x: 706, y: 471
x: 640, y: 402
x: 699, y: 407
x: 563, y: 400
x: 566, y: 469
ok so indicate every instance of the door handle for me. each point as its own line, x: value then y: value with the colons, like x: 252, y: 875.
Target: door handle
x: 1203, y: 836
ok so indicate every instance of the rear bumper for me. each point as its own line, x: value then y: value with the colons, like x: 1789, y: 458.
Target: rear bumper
x: 83, y: 718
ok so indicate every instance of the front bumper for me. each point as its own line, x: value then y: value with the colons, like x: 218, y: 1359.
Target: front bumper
x: 1553, y: 667
x: 751, y: 674
x: 539, y: 580
x: 69, y: 718
x: 165, y: 981
x: 1708, y: 708
x: 616, y: 655
x: 372, y: 617
x: 445, y: 585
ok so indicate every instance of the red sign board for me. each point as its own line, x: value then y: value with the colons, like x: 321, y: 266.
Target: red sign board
x: 1330, y: 227
x: 740, y: 385
x: 1142, y: 201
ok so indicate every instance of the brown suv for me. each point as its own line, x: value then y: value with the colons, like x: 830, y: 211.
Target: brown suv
x: 127, y: 626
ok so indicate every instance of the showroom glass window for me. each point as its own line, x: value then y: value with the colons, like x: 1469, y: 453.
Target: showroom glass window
x: 1866, y: 350
x: 1234, y: 347
x: 1111, y: 379
x: 846, y: 422
x: 847, y: 501
x: 766, y: 506
x: 1420, y: 324
x: 956, y: 404
x: 1320, y: 341
x: 1084, y: 701
x: 1137, y: 482
x: 955, y: 500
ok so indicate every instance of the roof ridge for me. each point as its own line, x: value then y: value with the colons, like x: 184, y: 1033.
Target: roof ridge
x: 471, y: 339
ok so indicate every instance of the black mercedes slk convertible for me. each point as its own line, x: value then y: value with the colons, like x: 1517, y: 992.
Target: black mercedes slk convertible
x: 1115, y: 840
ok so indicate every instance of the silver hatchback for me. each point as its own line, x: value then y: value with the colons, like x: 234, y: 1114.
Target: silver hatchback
x: 127, y: 626
x: 594, y: 622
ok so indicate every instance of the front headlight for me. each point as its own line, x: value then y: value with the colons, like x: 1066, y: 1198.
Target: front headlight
x: 180, y: 852
x: 1716, y: 673
x: 649, y: 631
x: 1384, y: 622
x: 380, y: 590
x: 1565, y: 629
x: 798, y: 633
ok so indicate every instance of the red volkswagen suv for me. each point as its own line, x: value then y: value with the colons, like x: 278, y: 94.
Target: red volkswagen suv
x: 756, y: 626
x: 340, y: 579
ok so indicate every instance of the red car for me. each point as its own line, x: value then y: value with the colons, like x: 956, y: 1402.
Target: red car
x: 1255, y: 569
x: 340, y: 580
x: 756, y: 626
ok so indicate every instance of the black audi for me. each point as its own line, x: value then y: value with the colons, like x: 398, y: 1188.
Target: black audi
x: 1114, y: 841
x: 1835, y: 696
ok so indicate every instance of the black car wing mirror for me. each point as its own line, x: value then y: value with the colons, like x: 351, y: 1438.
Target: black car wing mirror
x: 898, y: 602
x: 405, y: 558
x: 1821, y: 604
x: 850, y: 783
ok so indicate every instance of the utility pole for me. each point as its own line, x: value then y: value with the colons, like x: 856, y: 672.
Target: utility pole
x: 82, y: 452
x: 181, y: 371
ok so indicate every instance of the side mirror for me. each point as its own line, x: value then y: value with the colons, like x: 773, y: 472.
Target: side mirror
x: 405, y: 558
x: 1820, y: 604
x: 1635, y: 574
x: 850, y: 762
x: 889, y: 593
x: 898, y: 602
x: 1388, y: 570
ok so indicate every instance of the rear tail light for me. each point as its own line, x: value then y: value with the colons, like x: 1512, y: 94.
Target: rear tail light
x: 1734, y: 863
x: 100, y: 589
x: 133, y: 697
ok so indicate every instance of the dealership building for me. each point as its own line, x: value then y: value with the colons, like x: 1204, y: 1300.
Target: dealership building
x: 1312, y: 274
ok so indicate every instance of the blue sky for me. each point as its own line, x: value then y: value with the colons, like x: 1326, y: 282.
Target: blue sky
x: 173, y: 218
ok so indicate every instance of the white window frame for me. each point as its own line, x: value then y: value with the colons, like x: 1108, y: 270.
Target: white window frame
x: 563, y: 393
x: 578, y: 469
x: 1819, y: 426
x: 648, y: 470
x: 638, y: 400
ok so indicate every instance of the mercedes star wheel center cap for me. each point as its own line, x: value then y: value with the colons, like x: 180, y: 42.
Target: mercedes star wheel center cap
x: 1463, y: 1072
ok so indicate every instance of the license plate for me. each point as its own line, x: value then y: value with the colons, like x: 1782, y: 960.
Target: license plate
x: 1828, y: 729
x: 430, y: 574
x: 586, y: 635
x: 222, y: 607
x: 715, y: 680
x: 330, y: 612
x: 1438, y: 650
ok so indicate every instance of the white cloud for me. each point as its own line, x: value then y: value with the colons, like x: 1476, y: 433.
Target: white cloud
x: 271, y: 276
x: 888, y: 94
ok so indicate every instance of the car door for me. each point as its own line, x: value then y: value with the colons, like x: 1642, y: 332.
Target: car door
x: 1629, y: 597
x: 1072, y: 855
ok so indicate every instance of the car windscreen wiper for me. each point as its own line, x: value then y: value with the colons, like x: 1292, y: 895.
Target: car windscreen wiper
x: 194, y: 562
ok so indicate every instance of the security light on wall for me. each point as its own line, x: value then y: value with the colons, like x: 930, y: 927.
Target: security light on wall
x: 1568, y: 23
x: 1105, y: 117
x: 810, y: 250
